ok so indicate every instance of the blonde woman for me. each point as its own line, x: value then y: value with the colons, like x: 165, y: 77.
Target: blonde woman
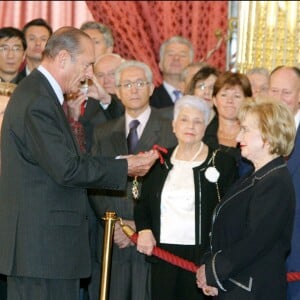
x: 252, y: 226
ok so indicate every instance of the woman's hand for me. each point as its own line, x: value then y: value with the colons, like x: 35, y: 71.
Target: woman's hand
x: 210, y: 291
x: 201, y: 277
x: 146, y: 242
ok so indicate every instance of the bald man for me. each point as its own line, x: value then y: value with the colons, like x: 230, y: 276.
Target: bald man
x: 285, y: 86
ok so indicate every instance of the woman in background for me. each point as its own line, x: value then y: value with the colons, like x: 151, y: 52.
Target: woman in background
x: 230, y: 90
x: 202, y: 85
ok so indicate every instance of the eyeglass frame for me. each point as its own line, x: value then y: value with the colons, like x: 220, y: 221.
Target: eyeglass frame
x: 16, y: 49
x: 139, y: 84
x: 202, y: 86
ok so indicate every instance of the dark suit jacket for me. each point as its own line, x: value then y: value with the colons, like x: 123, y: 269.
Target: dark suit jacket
x: 95, y: 114
x: 160, y: 98
x: 110, y: 139
x: 293, y: 163
x: 251, y: 235
x: 43, y: 199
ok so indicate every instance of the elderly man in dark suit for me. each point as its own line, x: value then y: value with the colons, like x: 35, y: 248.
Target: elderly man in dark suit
x: 129, y: 271
x: 43, y: 201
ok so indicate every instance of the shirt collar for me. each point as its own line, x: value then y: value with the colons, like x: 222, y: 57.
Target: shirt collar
x: 297, y: 119
x: 169, y: 88
x: 143, y: 119
x: 54, y: 84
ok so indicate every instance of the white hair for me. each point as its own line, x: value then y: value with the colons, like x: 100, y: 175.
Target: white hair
x: 195, y: 102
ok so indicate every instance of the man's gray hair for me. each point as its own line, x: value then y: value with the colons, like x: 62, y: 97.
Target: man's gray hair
x: 262, y: 71
x: 133, y: 63
x: 176, y: 39
x: 103, y: 29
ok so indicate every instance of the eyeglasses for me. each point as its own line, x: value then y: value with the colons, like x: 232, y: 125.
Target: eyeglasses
x: 202, y: 86
x: 16, y: 49
x: 139, y: 84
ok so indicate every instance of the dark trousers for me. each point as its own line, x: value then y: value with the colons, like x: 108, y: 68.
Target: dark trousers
x: 26, y: 288
x: 3, y: 287
x: 169, y: 282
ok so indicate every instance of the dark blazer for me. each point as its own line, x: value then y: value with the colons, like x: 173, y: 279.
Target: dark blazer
x: 43, y: 198
x: 147, y: 211
x: 251, y: 234
x: 160, y: 97
x: 293, y: 261
x: 95, y: 114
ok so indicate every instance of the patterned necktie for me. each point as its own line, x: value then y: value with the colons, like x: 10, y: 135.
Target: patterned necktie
x: 132, y: 138
x: 177, y: 94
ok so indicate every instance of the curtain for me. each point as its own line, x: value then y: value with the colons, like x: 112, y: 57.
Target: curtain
x: 56, y: 13
x: 139, y: 27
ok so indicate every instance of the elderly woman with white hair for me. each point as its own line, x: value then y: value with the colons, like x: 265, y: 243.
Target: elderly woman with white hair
x: 178, y: 198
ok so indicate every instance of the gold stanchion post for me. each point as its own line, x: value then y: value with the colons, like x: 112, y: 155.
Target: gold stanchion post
x: 110, y: 219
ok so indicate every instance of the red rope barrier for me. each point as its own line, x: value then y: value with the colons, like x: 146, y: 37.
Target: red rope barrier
x: 181, y: 262
x: 293, y: 276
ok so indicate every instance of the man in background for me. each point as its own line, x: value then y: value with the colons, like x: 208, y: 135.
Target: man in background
x: 285, y: 86
x: 259, y: 79
x: 101, y: 36
x: 174, y: 55
x: 37, y: 33
x: 129, y: 278
x: 12, y: 49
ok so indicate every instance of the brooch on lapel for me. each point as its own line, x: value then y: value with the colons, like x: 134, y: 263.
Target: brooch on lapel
x: 212, y: 174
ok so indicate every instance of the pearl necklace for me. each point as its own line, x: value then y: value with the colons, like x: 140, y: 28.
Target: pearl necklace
x: 196, y: 154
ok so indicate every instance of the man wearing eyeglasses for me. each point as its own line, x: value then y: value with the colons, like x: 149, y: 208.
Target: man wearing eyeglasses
x: 134, y: 86
x: 12, y: 48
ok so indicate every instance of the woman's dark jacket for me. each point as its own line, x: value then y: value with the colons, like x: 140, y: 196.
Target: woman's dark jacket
x: 251, y: 235
x: 147, y: 209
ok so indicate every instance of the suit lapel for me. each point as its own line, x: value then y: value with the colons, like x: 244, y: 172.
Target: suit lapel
x: 64, y: 118
x: 118, y: 138
x: 150, y: 134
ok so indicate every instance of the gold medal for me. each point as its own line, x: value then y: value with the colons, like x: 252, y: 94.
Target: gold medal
x: 135, y: 188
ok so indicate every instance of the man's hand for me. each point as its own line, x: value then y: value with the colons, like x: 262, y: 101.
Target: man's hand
x: 140, y: 164
x: 74, y: 103
x: 120, y: 238
x: 96, y: 91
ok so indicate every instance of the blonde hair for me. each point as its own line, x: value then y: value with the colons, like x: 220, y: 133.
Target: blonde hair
x: 275, y: 121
